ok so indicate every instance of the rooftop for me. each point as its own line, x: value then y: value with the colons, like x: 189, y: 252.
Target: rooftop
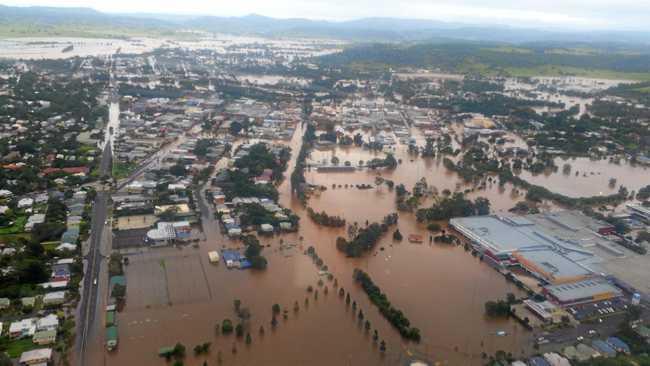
x: 582, y: 290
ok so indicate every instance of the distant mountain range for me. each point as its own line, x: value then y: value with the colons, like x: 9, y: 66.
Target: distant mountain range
x: 20, y: 21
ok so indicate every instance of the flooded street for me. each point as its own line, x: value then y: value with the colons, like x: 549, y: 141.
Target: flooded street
x: 177, y: 295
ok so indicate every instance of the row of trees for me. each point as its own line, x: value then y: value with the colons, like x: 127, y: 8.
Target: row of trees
x: 395, y: 316
x: 455, y: 206
x: 322, y: 218
x: 366, y: 238
x: 298, y: 181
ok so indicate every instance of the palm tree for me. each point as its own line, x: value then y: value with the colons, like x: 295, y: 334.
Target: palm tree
x: 360, y: 314
x: 367, y: 325
x: 249, y: 340
x: 382, y: 346
x: 375, y: 336
x: 347, y: 299
x: 296, y: 307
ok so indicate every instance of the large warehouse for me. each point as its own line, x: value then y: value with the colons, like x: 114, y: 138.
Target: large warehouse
x: 561, y: 248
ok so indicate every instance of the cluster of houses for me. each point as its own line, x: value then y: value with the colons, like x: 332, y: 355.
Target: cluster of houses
x: 151, y: 123
x: 41, y: 325
x: 140, y: 218
x: 229, y: 213
x: 581, y: 352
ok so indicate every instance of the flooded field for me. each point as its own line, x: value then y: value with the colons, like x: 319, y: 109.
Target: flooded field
x: 177, y: 295
x: 52, y: 48
x: 587, y: 177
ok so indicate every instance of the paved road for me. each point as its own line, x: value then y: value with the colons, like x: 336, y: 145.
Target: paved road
x: 93, y: 258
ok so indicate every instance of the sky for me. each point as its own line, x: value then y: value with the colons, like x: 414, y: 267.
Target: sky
x: 568, y: 14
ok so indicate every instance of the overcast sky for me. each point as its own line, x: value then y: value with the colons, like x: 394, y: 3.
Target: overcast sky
x: 611, y: 14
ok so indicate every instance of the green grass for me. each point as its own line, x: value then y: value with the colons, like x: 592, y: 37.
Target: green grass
x: 122, y: 170
x: 16, y: 348
x: 645, y: 90
x: 17, y: 227
x: 50, y: 245
x: 10, y: 238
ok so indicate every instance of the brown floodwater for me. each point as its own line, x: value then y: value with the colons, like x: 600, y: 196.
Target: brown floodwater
x: 593, y: 177
x: 177, y: 295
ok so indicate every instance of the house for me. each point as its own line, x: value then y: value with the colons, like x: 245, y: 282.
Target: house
x: 44, y: 337
x: 54, y: 298
x: 60, y: 272
x: 41, y: 356
x: 266, y: 228
x: 111, y: 338
x: 618, y: 345
x: 28, y: 302
x: 34, y: 220
x: 66, y: 246
x: 49, y: 322
x: 604, y: 348
x: 22, y: 328
x: 25, y: 203
x: 4, y: 303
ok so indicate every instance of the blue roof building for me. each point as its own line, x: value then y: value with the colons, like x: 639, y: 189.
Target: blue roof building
x: 538, y: 361
x: 604, y: 348
x: 618, y: 344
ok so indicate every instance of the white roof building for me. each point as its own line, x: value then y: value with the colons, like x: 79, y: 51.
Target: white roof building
x: 22, y: 328
x: 25, y: 203
x: 50, y: 322
x: 57, y: 297
x: 36, y: 357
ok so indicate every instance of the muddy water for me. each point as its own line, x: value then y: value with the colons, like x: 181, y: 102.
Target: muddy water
x: 177, y: 295
x: 593, y: 177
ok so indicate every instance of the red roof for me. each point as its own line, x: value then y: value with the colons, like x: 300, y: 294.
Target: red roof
x: 70, y: 170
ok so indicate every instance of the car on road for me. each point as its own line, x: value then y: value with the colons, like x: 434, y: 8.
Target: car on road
x: 580, y: 338
x: 95, y: 282
x: 592, y: 332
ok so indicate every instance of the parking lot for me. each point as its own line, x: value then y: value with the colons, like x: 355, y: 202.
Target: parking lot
x: 598, y: 310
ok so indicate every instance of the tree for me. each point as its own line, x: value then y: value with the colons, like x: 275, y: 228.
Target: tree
x: 5, y: 360
x: 178, y: 170
x: 237, y: 304
x: 239, y: 330
x: 249, y: 340
x: 235, y: 128
x: 275, y: 309
x: 226, y: 326
x: 179, y: 351
x: 397, y: 236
